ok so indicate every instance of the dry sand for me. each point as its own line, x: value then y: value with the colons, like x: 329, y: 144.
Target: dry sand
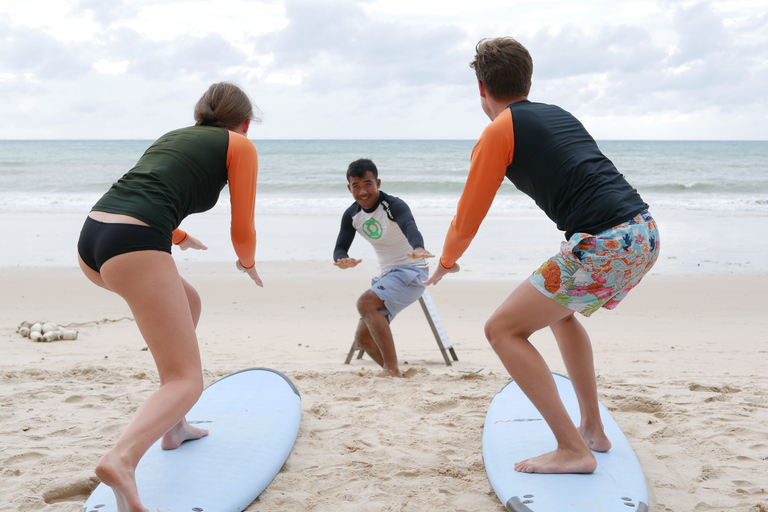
x: 682, y: 365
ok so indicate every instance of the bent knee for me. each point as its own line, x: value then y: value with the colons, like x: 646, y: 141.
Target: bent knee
x: 500, y: 330
x: 369, y: 302
x: 565, y: 322
x: 195, y: 304
x: 491, y: 330
x: 190, y: 382
x: 195, y: 387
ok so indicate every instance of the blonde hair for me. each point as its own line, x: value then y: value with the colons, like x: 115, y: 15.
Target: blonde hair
x: 225, y: 105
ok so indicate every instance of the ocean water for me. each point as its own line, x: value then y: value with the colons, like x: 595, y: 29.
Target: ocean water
x: 307, y: 176
x: 710, y: 199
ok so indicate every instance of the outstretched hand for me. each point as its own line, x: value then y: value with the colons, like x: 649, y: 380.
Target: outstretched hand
x: 192, y: 243
x: 440, y: 272
x: 346, y: 262
x: 251, y: 273
x: 419, y: 253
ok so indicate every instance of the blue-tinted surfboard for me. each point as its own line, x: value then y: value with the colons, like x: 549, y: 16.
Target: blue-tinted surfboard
x: 253, y: 417
x: 514, y: 431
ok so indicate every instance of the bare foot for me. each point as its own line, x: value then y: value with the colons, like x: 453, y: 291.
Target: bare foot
x: 121, y: 478
x: 389, y: 373
x: 559, y: 461
x: 181, y: 432
x: 596, y: 440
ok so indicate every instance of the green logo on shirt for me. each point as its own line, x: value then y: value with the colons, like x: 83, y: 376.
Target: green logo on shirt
x: 372, y: 229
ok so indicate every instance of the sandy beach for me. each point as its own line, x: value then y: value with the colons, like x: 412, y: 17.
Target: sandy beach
x: 682, y: 366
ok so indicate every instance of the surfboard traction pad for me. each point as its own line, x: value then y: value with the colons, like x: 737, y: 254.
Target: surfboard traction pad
x: 520, y: 504
x: 294, y: 389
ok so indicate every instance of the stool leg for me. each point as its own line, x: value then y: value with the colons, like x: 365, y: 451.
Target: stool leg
x: 352, y: 352
x: 434, y: 331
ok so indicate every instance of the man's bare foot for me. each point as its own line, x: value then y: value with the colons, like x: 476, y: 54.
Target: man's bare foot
x: 596, y: 440
x: 559, y: 461
x: 389, y: 373
x: 181, y: 432
x: 121, y: 478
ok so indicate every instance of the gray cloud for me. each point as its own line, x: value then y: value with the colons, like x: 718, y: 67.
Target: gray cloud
x: 574, y: 51
x: 338, y: 45
x: 107, y: 12
x: 689, y: 62
x: 709, y: 66
x: 208, y: 56
x: 701, y: 33
x: 28, y: 50
x: 205, y: 56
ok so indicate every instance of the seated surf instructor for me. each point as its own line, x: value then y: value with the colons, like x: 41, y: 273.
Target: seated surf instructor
x: 611, y: 243
x: 125, y: 247
x: 387, y: 223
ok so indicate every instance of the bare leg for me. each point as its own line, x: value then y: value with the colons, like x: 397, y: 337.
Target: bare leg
x: 370, y: 306
x: 576, y: 350
x: 183, y: 431
x: 365, y: 341
x: 166, y: 316
x: 524, y: 312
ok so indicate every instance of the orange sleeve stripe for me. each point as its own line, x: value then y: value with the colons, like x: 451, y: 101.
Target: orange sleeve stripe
x: 490, y: 158
x: 242, y: 170
x: 178, y: 236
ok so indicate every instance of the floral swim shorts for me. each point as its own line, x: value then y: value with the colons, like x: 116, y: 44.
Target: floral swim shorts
x: 594, y: 271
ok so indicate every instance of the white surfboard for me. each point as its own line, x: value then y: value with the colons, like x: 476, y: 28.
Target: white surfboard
x: 514, y: 431
x: 253, y: 417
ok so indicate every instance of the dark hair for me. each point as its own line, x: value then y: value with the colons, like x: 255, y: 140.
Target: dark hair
x: 504, y: 67
x: 225, y: 105
x: 358, y: 168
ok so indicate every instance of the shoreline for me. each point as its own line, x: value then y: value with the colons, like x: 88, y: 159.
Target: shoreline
x: 682, y: 366
x: 693, y: 242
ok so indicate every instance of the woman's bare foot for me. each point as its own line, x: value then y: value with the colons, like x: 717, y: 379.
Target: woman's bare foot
x: 559, y: 461
x: 596, y: 440
x: 121, y: 478
x: 181, y: 432
x: 389, y: 373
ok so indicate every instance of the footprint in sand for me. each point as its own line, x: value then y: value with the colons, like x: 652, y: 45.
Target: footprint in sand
x: 638, y: 404
x: 712, y: 388
x: 76, y: 489
x: 440, y: 406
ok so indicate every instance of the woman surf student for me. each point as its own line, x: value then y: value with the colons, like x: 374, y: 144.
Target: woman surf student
x: 611, y: 243
x: 125, y: 247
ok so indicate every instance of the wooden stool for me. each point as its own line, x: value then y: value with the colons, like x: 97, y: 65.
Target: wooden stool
x: 441, y: 336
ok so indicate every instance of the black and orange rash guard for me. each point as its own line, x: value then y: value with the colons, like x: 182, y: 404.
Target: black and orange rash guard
x: 549, y: 155
x: 183, y: 172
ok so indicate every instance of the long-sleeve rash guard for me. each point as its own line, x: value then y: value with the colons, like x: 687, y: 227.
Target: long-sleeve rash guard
x: 547, y: 154
x: 389, y: 227
x: 182, y: 173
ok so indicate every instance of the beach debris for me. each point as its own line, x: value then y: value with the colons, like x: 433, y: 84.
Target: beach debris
x: 45, y: 331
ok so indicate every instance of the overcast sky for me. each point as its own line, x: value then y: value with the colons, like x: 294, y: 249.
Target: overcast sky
x: 380, y: 69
